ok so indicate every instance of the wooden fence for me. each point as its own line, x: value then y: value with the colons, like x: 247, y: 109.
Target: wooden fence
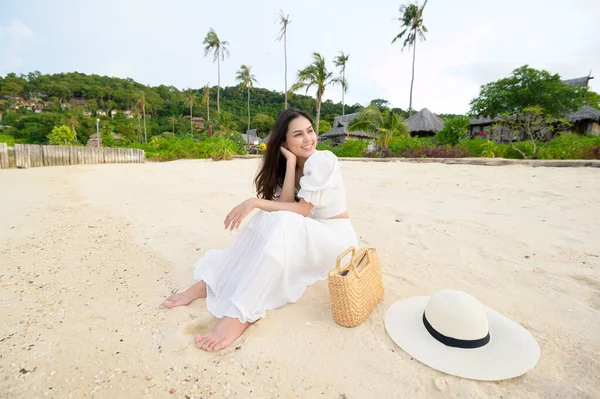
x: 31, y: 155
x: 3, y: 156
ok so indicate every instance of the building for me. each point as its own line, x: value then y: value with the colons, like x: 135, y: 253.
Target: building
x: 197, y: 121
x: 251, y: 137
x: 424, y: 123
x: 339, y: 133
x: 585, y: 121
x: 101, y: 112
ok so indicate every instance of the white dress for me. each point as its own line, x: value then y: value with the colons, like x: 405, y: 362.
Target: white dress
x: 278, y: 254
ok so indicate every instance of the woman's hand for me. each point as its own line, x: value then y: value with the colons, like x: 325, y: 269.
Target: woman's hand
x: 238, y: 214
x: 288, y: 154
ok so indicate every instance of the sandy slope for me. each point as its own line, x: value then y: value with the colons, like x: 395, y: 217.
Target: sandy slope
x: 87, y: 254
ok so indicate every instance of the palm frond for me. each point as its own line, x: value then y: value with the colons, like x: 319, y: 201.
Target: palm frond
x: 284, y: 20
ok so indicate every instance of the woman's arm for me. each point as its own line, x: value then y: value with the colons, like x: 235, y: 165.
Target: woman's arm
x: 303, y: 208
x: 238, y: 214
x: 289, y: 182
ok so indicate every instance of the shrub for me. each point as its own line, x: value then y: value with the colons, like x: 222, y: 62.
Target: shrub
x: 455, y: 129
x: 436, y: 152
x: 61, y: 135
x: 325, y: 145
x: 479, y: 147
x: 351, y: 149
x: 398, y: 145
x: 220, y: 148
x: 5, y: 138
x: 571, y: 146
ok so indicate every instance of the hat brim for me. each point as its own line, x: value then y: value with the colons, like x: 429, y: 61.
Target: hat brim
x: 511, y: 352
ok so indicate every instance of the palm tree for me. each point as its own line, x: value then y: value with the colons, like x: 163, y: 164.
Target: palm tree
x: 220, y: 51
x: 190, y: 100
x: 246, y: 80
x: 317, y: 75
x: 340, y: 61
x: 412, y: 21
x: 384, y: 125
x: 140, y: 102
x: 284, y: 20
x: 206, y: 100
x: 175, y: 119
x: 73, y: 117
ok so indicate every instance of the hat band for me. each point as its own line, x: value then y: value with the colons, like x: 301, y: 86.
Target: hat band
x: 453, y: 342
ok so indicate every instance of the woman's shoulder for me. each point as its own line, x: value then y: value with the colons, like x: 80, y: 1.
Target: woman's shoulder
x: 319, y: 159
x: 320, y: 170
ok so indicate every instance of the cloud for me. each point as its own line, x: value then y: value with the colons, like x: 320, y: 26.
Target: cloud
x: 14, y: 37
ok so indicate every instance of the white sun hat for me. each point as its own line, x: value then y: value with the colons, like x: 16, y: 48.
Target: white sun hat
x: 452, y: 332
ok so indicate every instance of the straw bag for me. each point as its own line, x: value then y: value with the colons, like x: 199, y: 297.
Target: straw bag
x: 355, y: 289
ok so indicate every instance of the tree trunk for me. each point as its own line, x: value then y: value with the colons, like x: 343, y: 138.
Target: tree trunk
x: 191, y: 118
x: 413, y: 76
x: 208, y: 108
x: 285, y: 57
x: 248, y: 107
x: 139, y: 129
x: 318, y: 112
x: 144, y: 111
x: 218, y: 82
x: 173, y: 127
x: 343, y: 90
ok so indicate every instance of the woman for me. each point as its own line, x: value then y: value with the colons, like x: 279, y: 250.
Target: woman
x: 300, y: 228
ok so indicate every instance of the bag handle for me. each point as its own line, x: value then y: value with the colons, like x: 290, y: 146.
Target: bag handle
x: 367, y: 253
x: 339, y: 259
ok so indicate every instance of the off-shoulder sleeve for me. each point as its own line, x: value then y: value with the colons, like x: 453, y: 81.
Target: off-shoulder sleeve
x: 320, y: 173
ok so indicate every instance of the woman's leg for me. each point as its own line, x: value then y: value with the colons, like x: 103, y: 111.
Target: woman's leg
x: 184, y: 298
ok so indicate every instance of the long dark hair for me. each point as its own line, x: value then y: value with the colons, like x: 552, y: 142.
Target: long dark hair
x: 272, y: 171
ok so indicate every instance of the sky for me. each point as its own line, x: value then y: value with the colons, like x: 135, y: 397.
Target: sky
x: 469, y: 43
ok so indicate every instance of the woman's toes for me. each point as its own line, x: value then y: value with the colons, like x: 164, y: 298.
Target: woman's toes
x: 199, y: 340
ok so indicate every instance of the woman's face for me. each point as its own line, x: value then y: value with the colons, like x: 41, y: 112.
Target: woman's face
x: 301, y: 139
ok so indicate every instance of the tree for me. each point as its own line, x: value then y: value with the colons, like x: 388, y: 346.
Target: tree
x: 315, y: 75
x: 263, y: 123
x: 220, y: 51
x: 455, y: 129
x: 340, y: 62
x: 284, y: 20
x: 324, y: 126
x: 528, y: 87
x: 384, y: 125
x: 107, y: 136
x: 73, y: 116
x: 246, y: 80
x: 411, y: 18
x: 533, y: 124
x: 380, y: 103
x: 190, y: 100
x: 206, y: 100
x: 140, y: 101
x: 61, y: 135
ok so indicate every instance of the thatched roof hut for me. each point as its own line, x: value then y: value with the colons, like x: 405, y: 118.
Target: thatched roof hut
x: 578, y: 82
x: 425, y: 123
x: 251, y: 136
x: 340, y: 133
x: 586, y: 120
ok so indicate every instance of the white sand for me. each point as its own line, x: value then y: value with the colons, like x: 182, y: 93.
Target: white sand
x: 88, y: 253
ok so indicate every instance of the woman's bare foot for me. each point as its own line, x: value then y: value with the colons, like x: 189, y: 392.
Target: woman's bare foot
x: 222, y: 335
x: 184, y: 298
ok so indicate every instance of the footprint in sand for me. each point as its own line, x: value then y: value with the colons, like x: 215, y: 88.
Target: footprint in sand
x: 586, y: 281
x: 199, y: 326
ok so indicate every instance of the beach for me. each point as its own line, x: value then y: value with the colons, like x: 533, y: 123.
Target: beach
x: 89, y: 252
